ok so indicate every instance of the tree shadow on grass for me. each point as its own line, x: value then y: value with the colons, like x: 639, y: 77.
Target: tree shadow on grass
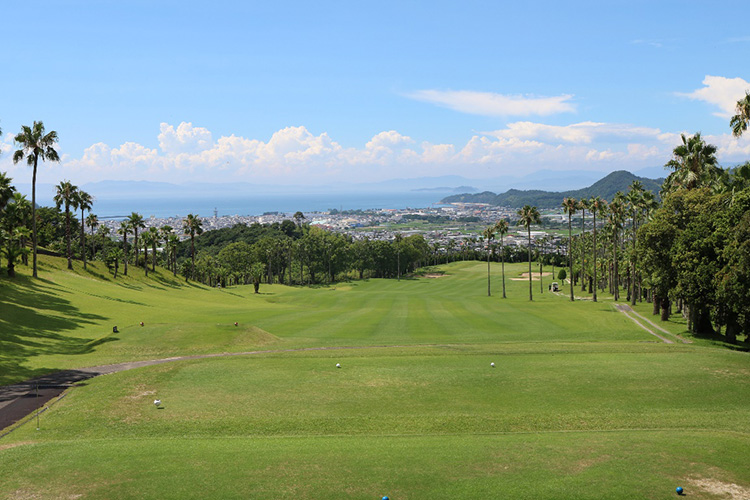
x: 36, y: 320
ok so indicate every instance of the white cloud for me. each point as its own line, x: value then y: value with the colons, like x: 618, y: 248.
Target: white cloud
x: 576, y: 133
x: 184, y: 139
x: 721, y: 92
x: 491, y: 104
x: 294, y: 155
x: 730, y: 149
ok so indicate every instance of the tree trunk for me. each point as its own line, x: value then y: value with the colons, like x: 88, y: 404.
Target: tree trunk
x: 502, y: 251
x: 488, y: 271
x: 125, y: 253
x: 656, y: 301
x: 570, y: 256
x: 664, y: 302
x: 583, y: 247
x: 83, y: 241
x: 703, y: 321
x: 33, y: 213
x: 592, y: 284
x: 67, y: 236
x: 11, y: 267
x: 733, y: 328
x: 530, y: 296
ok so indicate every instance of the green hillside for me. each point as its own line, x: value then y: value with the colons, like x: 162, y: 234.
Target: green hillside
x: 604, y: 188
x: 581, y: 403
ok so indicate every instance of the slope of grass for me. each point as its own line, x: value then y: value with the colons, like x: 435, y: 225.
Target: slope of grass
x: 581, y: 402
x: 65, y: 319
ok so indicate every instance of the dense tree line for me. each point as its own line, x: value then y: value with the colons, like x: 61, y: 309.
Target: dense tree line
x: 689, y: 255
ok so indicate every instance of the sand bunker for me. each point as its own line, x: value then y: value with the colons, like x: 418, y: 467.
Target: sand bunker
x: 434, y: 275
x: 534, y: 276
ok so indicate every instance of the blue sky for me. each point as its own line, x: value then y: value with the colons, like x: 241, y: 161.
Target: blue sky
x: 316, y: 92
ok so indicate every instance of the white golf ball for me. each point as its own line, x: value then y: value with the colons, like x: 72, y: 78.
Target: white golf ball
x: 338, y: 365
x: 492, y: 365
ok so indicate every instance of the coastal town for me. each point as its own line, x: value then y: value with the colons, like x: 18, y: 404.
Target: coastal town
x: 446, y: 226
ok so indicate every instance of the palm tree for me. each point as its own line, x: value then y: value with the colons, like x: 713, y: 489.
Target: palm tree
x: 694, y: 163
x: 136, y: 222
x: 298, y: 218
x: 115, y: 255
x: 13, y: 231
x: 529, y: 215
x: 164, y: 233
x: 489, y: 233
x: 146, y: 241
x: 172, y: 241
x: 154, y: 240
x: 17, y: 218
x: 398, y: 238
x: 501, y: 228
x: 596, y: 204
x: 740, y: 121
x: 124, y: 230
x: 84, y: 202
x: 67, y: 195
x: 634, y: 199
x: 6, y: 190
x: 616, y: 217
x: 192, y: 225
x: 35, y: 145
x: 570, y: 205
x: 93, y: 221
x: 583, y: 205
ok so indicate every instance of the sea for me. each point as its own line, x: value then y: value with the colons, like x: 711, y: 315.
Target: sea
x: 162, y: 207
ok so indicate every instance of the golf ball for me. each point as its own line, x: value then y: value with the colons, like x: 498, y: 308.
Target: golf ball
x: 338, y: 365
x: 492, y: 365
x: 679, y: 490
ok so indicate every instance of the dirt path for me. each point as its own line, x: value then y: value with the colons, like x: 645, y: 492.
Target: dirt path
x: 19, y: 400
x: 678, y: 337
x: 630, y: 313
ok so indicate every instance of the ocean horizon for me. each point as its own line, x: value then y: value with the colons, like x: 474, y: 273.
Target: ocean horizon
x: 162, y: 207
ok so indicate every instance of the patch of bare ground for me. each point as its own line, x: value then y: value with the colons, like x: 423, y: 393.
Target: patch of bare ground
x: 721, y: 489
x: 433, y: 275
x: 13, y: 445
x: 534, y: 276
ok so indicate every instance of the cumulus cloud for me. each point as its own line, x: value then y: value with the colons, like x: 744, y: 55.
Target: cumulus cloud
x: 296, y: 155
x: 184, y: 139
x: 491, y: 104
x: 721, y: 92
x: 577, y: 133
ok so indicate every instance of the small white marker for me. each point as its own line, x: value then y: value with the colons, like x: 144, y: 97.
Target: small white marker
x: 157, y: 402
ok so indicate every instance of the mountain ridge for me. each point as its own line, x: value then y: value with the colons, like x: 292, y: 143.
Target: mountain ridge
x: 605, y: 187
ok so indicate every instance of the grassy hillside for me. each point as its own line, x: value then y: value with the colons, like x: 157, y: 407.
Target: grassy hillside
x: 581, y: 402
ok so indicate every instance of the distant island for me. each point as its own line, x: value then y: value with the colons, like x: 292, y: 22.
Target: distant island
x: 605, y: 188
x: 459, y: 189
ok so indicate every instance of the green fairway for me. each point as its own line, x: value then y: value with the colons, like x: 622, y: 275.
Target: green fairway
x: 581, y: 402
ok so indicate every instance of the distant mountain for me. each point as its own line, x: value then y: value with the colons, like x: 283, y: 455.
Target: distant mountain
x: 605, y: 188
